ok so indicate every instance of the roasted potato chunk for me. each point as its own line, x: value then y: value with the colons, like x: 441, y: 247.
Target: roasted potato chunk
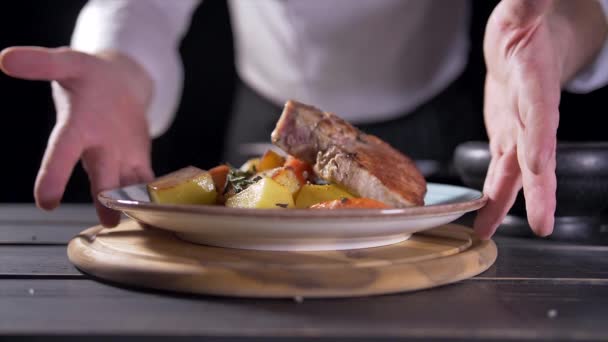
x: 287, y: 178
x: 351, y: 203
x: 189, y: 185
x: 270, y: 160
x: 264, y: 194
x: 312, y: 194
x: 250, y: 165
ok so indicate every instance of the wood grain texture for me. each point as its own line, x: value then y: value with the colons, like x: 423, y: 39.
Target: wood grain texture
x: 153, y: 258
x: 35, y: 261
x: 27, y: 225
x: 523, y: 259
x: 39, y: 233
x: 545, y: 259
x: 470, y: 310
x: 74, y: 213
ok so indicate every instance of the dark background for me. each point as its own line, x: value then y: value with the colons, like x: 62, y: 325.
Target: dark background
x: 195, y: 138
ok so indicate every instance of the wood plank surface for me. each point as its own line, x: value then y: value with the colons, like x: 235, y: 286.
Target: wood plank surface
x: 472, y: 310
x: 38, y: 233
x: 515, y: 261
x: 536, y: 290
x: 73, y: 213
x: 35, y: 261
x: 522, y: 258
x: 26, y: 224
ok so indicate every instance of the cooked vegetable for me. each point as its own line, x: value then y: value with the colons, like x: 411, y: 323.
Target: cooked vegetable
x: 347, y: 203
x: 264, y: 194
x: 251, y: 165
x: 270, y: 160
x: 302, y: 170
x: 219, y: 175
x: 287, y: 178
x: 237, y: 181
x: 189, y: 185
x: 312, y: 194
x: 271, y: 181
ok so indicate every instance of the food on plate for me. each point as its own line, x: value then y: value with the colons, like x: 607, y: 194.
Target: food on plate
x: 327, y: 164
x: 362, y: 164
x: 219, y: 175
x: 189, y: 185
x: 301, y: 169
x: 251, y: 165
x: 312, y: 194
x: 359, y: 203
x: 269, y: 161
x: 263, y: 194
x: 288, y: 178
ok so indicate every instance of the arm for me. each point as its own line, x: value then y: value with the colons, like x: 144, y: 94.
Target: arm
x: 593, y: 75
x: 147, y: 31
x: 125, y: 77
x: 532, y: 49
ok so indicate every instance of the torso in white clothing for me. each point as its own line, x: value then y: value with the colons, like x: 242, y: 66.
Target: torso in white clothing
x: 364, y: 59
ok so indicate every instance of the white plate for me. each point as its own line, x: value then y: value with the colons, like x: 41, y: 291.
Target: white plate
x: 296, y: 229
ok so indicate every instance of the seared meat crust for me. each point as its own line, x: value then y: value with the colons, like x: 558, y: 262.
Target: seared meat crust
x: 340, y: 153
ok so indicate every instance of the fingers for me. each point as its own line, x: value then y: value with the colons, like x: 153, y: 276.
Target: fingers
x: 128, y: 176
x: 62, y: 153
x: 145, y: 173
x: 104, y: 173
x: 540, y: 193
x: 501, y: 195
x: 538, y: 102
x: 37, y: 63
x: 488, y: 184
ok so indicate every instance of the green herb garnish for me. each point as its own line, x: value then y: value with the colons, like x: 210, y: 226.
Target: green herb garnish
x: 238, y: 180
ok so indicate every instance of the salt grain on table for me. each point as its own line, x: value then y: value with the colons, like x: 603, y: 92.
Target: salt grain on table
x: 552, y: 313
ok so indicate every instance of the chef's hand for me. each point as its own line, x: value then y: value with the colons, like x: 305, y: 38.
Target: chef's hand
x: 100, y: 102
x: 531, y: 47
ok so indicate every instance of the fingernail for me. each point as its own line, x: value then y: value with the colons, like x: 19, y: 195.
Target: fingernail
x: 544, y: 231
x: 47, y: 205
x: 3, y: 60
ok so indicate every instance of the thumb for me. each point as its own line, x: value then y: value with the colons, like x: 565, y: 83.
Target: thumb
x: 38, y: 63
x: 521, y: 13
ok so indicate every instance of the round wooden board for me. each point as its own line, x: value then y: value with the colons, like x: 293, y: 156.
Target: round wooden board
x: 157, y: 259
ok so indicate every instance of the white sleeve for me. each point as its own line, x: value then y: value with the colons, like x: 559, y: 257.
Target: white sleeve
x: 148, y: 31
x: 594, y: 75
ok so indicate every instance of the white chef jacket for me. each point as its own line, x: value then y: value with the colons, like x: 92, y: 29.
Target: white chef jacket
x: 353, y: 57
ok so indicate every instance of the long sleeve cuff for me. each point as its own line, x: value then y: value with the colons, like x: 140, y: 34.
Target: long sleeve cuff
x: 594, y: 75
x: 149, y: 32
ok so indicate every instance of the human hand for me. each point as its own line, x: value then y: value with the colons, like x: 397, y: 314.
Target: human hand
x: 531, y: 47
x: 101, y: 101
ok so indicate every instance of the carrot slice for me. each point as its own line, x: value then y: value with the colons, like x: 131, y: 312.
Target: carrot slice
x: 347, y: 203
x: 219, y: 174
x: 302, y: 170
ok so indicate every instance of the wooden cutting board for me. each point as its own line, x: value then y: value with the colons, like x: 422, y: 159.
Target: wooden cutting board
x: 153, y: 258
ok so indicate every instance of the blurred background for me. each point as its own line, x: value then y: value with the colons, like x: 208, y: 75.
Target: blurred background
x: 195, y: 138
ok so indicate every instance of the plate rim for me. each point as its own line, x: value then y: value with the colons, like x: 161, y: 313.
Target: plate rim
x: 222, y: 211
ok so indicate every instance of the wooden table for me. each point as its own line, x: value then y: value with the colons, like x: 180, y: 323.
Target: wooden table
x: 536, y: 290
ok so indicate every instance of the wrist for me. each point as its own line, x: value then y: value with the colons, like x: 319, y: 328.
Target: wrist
x: 580, y: 29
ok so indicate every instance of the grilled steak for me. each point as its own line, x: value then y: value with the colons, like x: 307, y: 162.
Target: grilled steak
x: 340, y: 153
